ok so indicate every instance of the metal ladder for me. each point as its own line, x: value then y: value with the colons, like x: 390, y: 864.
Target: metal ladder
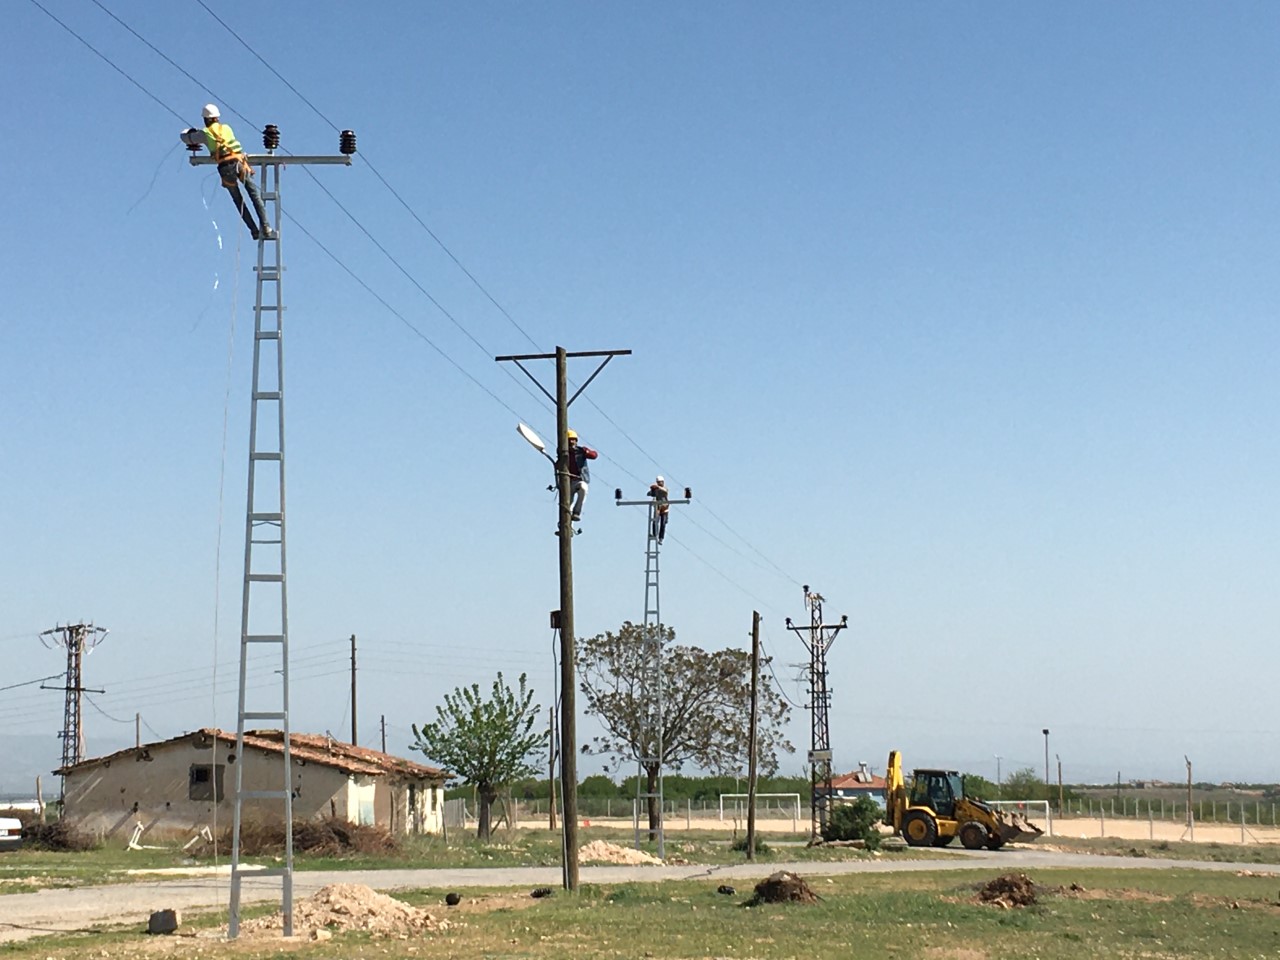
x: 651, y: 692
x: 264, y: 612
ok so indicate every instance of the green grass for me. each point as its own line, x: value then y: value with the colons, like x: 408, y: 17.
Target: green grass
x: 1181, y: 914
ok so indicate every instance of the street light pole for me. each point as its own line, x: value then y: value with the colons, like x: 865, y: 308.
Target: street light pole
x: 1045, y: 731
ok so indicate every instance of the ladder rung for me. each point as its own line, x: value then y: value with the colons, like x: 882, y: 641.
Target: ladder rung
x: 262, y: 715
x: 256, y: 540
x: 264, y: 638
x: 267, y: 395
x: 266, y: 577
x: 269, y: 273
x: 266, y: 517
x: 263, y: 794
x: 265, y: 456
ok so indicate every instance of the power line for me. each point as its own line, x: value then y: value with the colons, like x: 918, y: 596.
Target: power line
x: 27, y: 683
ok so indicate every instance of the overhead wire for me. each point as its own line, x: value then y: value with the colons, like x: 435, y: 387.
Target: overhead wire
x: 480, y: 286
x: 369, y: 289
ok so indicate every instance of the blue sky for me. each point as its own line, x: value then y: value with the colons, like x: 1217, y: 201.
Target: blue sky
x: 962, y: 313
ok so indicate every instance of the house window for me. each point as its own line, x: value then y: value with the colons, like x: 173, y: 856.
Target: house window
x: 204, y: 781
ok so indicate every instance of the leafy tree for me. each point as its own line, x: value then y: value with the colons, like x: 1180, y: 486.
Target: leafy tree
x: 486, y: 742
x: 1026, y: 784
x: 855, y: 820
x: 706, y: 705
x: 980, y: 788
x: 597, y: 785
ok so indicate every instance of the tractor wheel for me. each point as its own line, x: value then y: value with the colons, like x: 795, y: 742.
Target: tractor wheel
x: 919, y: 829
x: 994, y: 843
x: 973, y: 835
x: 943, y: 841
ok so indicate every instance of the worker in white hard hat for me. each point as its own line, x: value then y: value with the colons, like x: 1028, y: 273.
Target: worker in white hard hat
x: 658, y: 491
x: 579, y: 473
x: 234, y: 170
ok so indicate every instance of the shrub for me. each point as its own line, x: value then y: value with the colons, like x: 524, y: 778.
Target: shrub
x: 740, y: 845
x: 854, y: 821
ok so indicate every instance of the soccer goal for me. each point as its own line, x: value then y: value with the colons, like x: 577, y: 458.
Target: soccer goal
x: 1031, y: 809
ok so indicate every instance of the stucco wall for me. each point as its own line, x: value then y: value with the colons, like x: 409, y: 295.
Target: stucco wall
x: 108, y: 798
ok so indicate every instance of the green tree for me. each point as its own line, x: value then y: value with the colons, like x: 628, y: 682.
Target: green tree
x: 486, y: 742
x: 980, y: 788
x: 1026, y: 784
x: 706, y: 706
x: 855, y: 820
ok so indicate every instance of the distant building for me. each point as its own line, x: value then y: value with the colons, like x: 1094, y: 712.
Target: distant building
x: 178, y: 786
x: 860, y: 783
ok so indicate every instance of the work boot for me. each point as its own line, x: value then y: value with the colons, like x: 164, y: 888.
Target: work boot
x: 268, y: 233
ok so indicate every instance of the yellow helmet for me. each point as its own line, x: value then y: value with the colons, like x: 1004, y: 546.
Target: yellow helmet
x: 572, y: 435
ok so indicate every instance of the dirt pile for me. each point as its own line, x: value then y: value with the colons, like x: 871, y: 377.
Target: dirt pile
x: 351, y: 906
x: 1008, y: 890
x: 783, y: 887
x: 601, y: 851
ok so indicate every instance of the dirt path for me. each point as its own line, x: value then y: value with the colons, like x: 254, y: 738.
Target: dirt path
x: 62, y: 910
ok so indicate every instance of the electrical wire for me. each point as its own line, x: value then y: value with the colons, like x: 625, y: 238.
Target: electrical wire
x: 27, y: 683
x: 412, y: 327
x: 103, y: 712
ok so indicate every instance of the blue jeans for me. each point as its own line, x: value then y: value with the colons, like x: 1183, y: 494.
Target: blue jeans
x: 231, y: 179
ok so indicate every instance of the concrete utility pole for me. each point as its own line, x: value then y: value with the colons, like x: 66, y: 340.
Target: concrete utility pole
x: 820, y: 638
x: 999, y: 788
x: 753, y: 733
x: 1059, y: 759
x: 76, y: 639
x: 354, y: 741
x: 563, y: 618
x: 651, y: 746
x: 264, y: 606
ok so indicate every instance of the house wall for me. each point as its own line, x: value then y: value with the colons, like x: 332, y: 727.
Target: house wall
x: 107, y: 799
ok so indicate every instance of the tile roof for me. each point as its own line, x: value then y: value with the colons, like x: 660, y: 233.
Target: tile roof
x: 311, y: 747
x: 857, y: 780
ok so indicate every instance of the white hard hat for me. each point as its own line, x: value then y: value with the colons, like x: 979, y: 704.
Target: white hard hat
x: 660, y: 480
x: 211, y: 112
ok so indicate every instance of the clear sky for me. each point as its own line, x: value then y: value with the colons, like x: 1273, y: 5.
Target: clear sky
x: 964, y: 314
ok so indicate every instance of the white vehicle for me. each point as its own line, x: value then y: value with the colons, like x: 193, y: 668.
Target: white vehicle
x: 10, y: 833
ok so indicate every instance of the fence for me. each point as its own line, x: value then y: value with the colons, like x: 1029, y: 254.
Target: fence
x: 1258, y: 813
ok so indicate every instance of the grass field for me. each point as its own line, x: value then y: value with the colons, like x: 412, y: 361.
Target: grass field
x: 1148, y: 914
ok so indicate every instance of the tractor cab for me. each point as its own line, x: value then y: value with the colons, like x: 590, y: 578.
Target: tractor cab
x: 937, y: 789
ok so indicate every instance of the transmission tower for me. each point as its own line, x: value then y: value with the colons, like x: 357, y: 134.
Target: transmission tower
x: 818, y: 638
x: 651, y: 717
x: 77, y: 639
x: 264, y: 610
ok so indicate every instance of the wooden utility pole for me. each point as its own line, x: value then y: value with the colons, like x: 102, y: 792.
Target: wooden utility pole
x: 551, y: 770
x: 354, y: 741
x: 753, y: 734
x: 1059, y: 759
x: 564, y: 616
x: 384, y: 733
x: 137, y: 730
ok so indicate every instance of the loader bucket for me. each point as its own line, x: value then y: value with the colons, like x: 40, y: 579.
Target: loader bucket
x: 1015, y: 828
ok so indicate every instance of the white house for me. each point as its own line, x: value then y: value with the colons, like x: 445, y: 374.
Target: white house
x: 175, y: 787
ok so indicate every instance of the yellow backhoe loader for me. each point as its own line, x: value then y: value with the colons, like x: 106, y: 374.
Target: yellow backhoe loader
x: 934, y: 811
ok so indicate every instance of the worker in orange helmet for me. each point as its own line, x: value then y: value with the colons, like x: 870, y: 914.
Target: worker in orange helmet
x: 234, y: 170
x: 579, y: 473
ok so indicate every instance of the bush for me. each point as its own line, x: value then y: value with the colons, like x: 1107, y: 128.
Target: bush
x: 740, y: 845
x: 59, y: 835
x: 318, y: 838
x: 854, y: 821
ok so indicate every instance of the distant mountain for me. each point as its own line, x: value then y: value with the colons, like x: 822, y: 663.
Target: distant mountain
x: 25, y: 757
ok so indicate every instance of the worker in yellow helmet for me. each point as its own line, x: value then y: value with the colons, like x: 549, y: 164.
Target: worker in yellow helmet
x: 579, y: 472
x: 235, y: 170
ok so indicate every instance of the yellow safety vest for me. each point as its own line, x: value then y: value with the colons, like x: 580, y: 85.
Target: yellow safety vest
x: 222, y: 143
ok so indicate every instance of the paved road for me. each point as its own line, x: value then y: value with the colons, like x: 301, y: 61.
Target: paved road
x: 24, y: 915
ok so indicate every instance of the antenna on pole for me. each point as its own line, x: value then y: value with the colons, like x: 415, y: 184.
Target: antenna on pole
x: 264, y: 610
x: 650, y: 748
